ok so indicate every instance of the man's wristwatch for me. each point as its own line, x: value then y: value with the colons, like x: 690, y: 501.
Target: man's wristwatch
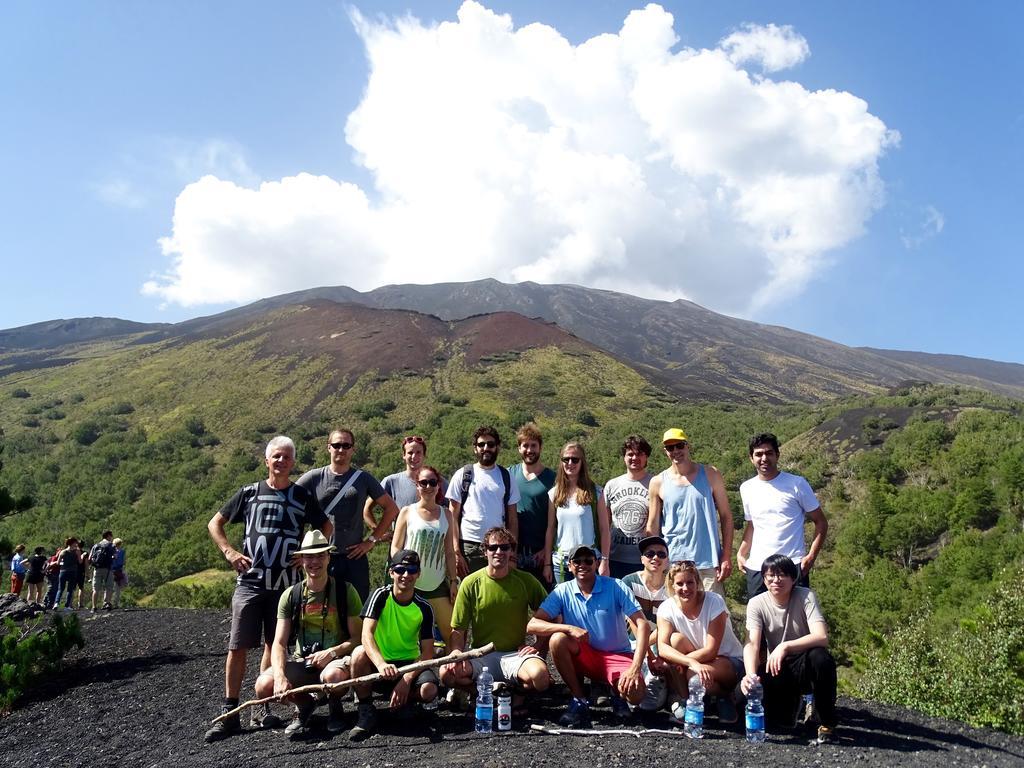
x: 372, y: 539
x: 334, y: 654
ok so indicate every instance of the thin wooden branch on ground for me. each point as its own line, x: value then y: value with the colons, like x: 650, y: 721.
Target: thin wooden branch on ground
x: 327, y: 688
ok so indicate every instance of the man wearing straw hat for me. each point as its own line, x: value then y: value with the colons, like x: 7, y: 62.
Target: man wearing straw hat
x: 312, y: 643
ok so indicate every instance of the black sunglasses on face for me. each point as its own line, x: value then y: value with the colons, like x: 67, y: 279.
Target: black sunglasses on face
x: 341, y: 446
x: 653, y: 553
x: 401, y: 570
x: 487, y: 445
x: 583, y: 561
x: 675, y: 447
x: 428, y: 483
x: 499, y: 547
x: 570, y: 459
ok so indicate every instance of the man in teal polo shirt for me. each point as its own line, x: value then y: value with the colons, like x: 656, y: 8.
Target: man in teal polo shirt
x: 585, y: 620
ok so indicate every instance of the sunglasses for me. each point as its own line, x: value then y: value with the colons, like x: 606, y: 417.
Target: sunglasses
x: 570, y: 459
x: 675, y: 447
x: 685, y: 563
x: 487, y: 445
x: 413, y: 439
x: 653, y: 553
x: 583, y: 561
x: 340, y: 446
x: 499, y: 547
x: 401, y: 570
x: 429, y: 483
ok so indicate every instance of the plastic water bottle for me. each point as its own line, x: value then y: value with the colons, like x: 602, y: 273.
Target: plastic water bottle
x: 694, y: 719
x: 484, y: 702
x: 504, y: 709
x: 755, y: 714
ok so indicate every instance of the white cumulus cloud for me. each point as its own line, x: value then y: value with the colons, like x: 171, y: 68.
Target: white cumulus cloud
x: 507, y: 152
x: 771, y: 46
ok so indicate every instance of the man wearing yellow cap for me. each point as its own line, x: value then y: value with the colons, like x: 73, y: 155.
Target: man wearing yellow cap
x: 690, y: 510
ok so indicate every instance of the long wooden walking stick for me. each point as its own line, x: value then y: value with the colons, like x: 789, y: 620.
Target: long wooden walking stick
x: 416, y: 666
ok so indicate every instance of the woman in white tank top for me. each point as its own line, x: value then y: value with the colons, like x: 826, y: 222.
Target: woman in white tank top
x: 427, y: 528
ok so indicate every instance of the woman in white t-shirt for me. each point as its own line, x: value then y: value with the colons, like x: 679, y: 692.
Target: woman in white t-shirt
x: 577, y: 516
x: 428, y: 529
x: 696, y: 637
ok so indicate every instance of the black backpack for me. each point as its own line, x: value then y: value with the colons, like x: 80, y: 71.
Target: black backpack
x: 506, y: 478
x: 102, y: 554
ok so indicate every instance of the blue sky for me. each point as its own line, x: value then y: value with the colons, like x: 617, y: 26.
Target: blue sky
x: 865, y: 187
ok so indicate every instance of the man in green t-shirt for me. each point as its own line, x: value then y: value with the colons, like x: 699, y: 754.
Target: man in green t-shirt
x: 312, y: 643
x: 495, y: 603
x: 398, y: 629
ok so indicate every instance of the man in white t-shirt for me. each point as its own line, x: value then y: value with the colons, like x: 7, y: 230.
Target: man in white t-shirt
x: 776, y: 505
x: 482, y: 496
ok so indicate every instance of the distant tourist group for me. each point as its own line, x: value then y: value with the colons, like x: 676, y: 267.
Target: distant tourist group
x: 621, y: 585
x: 49, y: 580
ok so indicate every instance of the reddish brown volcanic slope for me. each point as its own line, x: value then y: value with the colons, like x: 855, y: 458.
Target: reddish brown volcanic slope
x: 360, y: 338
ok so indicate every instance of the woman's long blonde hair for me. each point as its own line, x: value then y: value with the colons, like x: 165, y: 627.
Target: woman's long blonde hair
x: 585, y: 492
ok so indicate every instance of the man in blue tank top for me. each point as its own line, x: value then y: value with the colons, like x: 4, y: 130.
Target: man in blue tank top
x: 689, y: 508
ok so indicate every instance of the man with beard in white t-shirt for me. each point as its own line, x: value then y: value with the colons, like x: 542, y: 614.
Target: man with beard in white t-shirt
x: 482, y: 496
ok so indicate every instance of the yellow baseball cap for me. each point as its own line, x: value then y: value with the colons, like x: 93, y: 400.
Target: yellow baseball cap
x: 674, y: 435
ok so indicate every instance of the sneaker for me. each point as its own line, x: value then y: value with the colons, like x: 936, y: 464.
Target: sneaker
x: 577, y: 715
x: 727, y: 714
x: 262, y: 719
x: 366, y: 722
x: 826, y: 735
x: 620, y: 709
x: 677, y: 712
x: 223, y: 728
x: 336, y: 714
x: 107, y: 607
x: 297, y: 727
x: 657, y: 694
x: 807, y: 714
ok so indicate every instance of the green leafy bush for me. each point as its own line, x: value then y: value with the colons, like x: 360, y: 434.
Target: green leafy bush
x: 29, y: 653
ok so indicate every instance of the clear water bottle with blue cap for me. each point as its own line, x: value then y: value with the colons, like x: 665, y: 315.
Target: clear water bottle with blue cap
x: 755, y: 713
x: 485, y: 702
x: 693, y: 725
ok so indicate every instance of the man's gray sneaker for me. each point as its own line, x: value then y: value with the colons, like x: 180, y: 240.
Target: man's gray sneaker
x: 296, y: 729
x: 223, y: 728
x: 261, y: 718
x: 366, y: 723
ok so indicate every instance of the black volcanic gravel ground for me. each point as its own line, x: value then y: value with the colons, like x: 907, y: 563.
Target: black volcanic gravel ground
x: 143, y: 689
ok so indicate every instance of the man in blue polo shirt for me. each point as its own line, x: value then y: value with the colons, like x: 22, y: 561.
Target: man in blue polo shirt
x: 585, y: 620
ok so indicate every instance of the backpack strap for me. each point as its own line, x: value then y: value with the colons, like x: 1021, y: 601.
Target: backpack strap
x: 467, y: 479
x: 337, y: 497
x: 506, y: 478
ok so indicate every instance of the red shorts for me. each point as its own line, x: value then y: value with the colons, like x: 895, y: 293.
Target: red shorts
x: 604, y: 666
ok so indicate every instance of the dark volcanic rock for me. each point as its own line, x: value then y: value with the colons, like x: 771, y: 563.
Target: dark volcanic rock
x: 142, y: 691
x: 13, y: 607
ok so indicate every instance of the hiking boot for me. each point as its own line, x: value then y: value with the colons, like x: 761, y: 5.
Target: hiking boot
x: 826, y: 735
x: 366, y: 722
x: 807, y: 714
x: 223, y: 728
x: 262, y: 719
x: 620, y: 709
x: 336, y: 715
x: 297, y: 727
x: 577, y: 715
x: 107, y: 607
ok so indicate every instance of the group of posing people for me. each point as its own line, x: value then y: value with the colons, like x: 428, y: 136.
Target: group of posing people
x: 49, y: 579
x: 620, y: 584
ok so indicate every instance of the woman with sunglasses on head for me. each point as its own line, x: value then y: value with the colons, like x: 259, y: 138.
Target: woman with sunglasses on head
x: 577, y: 516
x: 427, y: 528
x: 695, y: 637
